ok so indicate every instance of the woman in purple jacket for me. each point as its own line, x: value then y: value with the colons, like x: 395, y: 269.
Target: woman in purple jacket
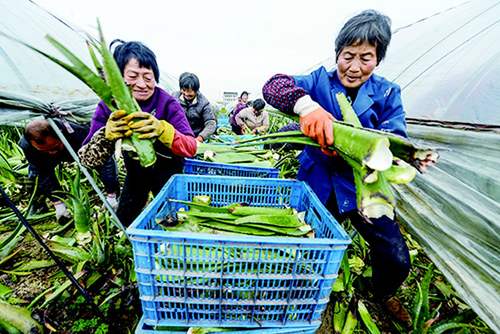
x: 242, y: 104
x: 162, y: 118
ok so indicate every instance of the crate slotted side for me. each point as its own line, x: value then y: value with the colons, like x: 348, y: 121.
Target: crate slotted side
x: 199, y: 167
x: 143, y: 328
x: 235, y: 280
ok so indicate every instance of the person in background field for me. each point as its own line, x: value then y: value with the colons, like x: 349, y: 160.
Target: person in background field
x: 360, y: 46
x: 198, y: 111
x: 44, y: 151
x: 242, y: 104
x: 242, y: 101
x: 254, y: 119
x: 161, y: 119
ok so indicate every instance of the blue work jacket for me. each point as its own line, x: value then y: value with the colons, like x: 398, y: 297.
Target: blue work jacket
x: 378, y: 106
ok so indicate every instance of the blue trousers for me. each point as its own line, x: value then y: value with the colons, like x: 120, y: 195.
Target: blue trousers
x: 389, y: 254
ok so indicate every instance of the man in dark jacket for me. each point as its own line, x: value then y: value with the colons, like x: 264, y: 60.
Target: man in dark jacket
x: 198, y: 111
x: 45, y: 151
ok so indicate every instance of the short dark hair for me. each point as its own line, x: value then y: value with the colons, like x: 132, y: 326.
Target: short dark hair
x: 243, y: 93
x: 135, y: 50
x: 258, y: 104
x: 189, y: 80
x: 368, y: 26
x: 37, y: 130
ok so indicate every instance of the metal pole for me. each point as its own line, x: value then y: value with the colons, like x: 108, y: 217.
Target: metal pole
x: 38, y: 238
x: 115, y: 219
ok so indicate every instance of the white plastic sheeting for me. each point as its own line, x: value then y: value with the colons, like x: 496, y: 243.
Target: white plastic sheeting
x: 26, y: 72
x: 15, y: 109
x: 454, y: 212
x: 448, y: 66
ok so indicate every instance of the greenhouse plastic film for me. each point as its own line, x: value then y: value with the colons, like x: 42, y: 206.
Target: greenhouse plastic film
x: 24, y: 71
x: 18, y: 108
x: 454, y: 212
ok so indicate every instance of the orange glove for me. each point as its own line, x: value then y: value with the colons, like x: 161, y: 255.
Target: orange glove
x: 318, y: 126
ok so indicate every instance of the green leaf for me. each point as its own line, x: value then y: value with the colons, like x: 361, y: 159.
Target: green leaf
x: 10, y: 242
x: 367, y: 319
x: 72, y: 254
x: 424, y: 316
x: 348, y: 113
x: 356, y: 264
x: 18, y: 317
x: 338, y: 286
x: 339, y: 316
x: 78, y: 69
x: 417, y: 306
x: 346, y: 270
x: 350, y: 323
x: 4, y: 291
x: 60, y: 290
x: 97, y: 63
x: 114, y: 77
x: 439, y: 329
x: 8, y: 328
x: 444, y: 288
x: 34, y: 264
x: 84, y: 73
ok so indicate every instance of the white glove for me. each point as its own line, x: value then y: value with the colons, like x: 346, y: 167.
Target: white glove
x: 61, y: 210
x: 111, y: 198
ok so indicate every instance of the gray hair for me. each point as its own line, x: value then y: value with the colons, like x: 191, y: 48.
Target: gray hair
x: 368, y: 26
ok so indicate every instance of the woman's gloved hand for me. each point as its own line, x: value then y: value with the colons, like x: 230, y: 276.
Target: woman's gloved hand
x: 149, y: 127
x: 318, y: 126
x: 117, y: 126
x: 245, y: 130
x: 260, y: 130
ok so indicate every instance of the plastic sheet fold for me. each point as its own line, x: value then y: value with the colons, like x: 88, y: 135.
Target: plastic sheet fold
x: 453, y: 210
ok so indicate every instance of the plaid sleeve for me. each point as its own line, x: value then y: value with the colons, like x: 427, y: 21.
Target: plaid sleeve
x: 281, y: 92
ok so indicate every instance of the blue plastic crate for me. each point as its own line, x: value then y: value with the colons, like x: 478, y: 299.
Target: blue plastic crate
x: 196, y: 279
x: 199, y: 167
x: 143, y: 328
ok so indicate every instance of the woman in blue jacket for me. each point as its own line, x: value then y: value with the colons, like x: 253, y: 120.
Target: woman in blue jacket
x: 360, y: 47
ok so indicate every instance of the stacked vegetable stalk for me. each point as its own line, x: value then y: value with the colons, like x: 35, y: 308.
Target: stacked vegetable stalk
x: 111, y: 89
x: 236, y: 218
x: 228, y: 154
x: 377, y: 158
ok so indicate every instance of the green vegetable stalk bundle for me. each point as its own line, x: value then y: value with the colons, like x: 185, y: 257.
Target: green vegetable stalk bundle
x: 236, y: 218
x: 378, y: 158
x: 228, y: 154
